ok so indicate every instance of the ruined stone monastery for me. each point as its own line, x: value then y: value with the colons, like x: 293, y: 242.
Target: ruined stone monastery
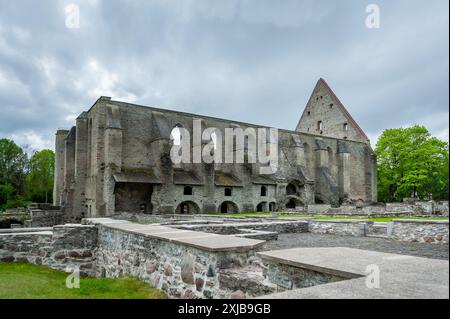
x: 116, y: 160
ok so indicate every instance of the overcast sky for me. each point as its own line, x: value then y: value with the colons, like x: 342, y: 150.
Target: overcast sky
x: 253, y: 61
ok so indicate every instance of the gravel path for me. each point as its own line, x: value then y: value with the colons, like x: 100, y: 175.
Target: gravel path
x: 377, y: 244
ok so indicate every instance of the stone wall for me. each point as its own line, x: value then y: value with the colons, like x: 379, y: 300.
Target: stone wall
x: 431, y: 231
x: 291, y: 277
x: 45, y: 218
x: 63, y: 246
x: 25, y: 246
x: 299, y: 226
x: 179, y: 270
x: 339, y: 227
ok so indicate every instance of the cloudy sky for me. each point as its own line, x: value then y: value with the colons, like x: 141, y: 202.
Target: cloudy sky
x: 250, y: 60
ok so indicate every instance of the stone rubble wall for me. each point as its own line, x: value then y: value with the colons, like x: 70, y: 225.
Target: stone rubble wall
x: 299, y: 226
x: 25, y: 247
x: 63, y: 248
x: 432, y: 231
x: 45, y: 218
x: 184, y: 270
x: 287, y: 277
x: 179, y: 270
x: 339, y: 227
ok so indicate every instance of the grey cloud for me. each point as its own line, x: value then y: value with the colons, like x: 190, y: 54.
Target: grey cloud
x: 250, y: 60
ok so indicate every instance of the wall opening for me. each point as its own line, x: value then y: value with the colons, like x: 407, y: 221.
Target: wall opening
x: 133, y: 197
x: 291, y: 204
x: 261, y: 207
x: 272, y: 207
x: 228, y: 192
x: 187, y: 207
x: 187, y: 190
x: 175, y: 135
x: 263, y: 191
x: 319, y: 125
x: 228, y: 207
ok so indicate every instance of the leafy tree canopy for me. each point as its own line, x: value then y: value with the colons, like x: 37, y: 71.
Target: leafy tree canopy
x: 411, y: 163
x: 40, y: 176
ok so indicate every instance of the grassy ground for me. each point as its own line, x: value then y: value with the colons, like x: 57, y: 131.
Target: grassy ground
x: 382, y: 219
x: 27, y: 281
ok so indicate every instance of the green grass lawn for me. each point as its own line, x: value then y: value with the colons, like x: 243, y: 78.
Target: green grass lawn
x: 27, y: 281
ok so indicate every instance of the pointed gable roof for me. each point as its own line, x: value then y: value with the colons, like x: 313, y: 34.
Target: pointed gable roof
x: 340, y: 105
x: 344, y: 109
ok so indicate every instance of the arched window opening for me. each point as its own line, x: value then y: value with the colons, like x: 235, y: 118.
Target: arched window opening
x: 291, y: 189
x: 175, y: 135
x: 263, y: 191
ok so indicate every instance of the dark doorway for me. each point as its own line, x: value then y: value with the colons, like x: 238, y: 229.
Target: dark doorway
x: 228, y: 207
x: 133, y: 198
x: 291, y: 189
x: 263, y: 191
x: 291, y: 204
x: 224, y: 208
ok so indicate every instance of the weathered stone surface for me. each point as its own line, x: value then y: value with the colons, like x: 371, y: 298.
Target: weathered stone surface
x: 199, y: 282
x: 6, y: 256
x: 151, y: 267
x: 132, y: 152
x: 187, y: 269
x: 433, y: 231
x: 238, y: 294
x: 167, y: 269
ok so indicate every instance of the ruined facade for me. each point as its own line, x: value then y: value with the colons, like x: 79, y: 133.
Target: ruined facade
x: 117, y: 159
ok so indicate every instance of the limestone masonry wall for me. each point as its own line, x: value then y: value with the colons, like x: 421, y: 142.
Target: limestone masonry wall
x: 339, y: 227
x: 186, y: 263
x: 179, y: 270
x: 64, y: 246
x: 432, y: 231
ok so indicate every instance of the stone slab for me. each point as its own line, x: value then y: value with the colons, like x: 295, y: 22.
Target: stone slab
x: 25, y: 230
x: 401, y: 276
x: 200, y: 240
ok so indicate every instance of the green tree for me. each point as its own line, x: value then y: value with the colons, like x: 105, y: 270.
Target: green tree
x: 40, y: 176
x: 411, y: 163
x: 13, y: 165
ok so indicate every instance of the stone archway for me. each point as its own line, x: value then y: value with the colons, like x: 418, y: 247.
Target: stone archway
x: 228, y: 207
x: 293, y: 202
x: 261, y: 207
x: 295, y: 188
x: 187, y: 207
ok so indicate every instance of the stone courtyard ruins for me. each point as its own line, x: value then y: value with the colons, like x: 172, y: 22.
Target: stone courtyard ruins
x: 116, y: 160
x: 123, y: 208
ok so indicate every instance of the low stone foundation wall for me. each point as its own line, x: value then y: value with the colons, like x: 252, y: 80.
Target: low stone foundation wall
x: 25, y: 247
x: 45, y: 218
x: 297, y: 226
x: 287, y: 277
x: 63, y: 246
x: 431, y: 231
x: 179, y: 270
x: 339, y: 227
